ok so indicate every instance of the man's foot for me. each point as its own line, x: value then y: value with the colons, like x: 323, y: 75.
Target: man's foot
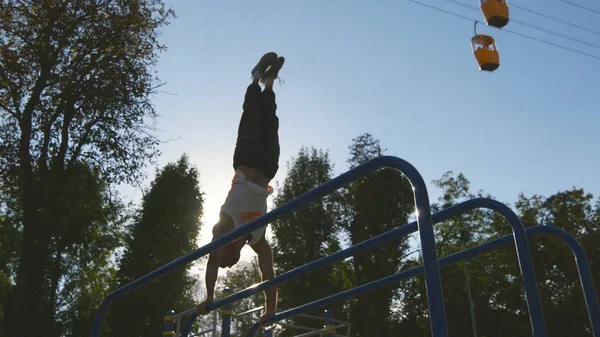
x: 268, y: 59
x: 273, y: 72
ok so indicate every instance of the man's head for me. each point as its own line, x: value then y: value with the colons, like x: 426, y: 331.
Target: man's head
x: 232, y: 253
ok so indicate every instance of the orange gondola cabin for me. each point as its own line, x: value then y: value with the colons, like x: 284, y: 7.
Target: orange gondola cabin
x: 495, y: 12
x: 485, y: 52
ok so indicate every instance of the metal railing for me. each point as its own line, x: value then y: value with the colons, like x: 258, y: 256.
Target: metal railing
x: 581, y: 260
x: 430, y: 267
x: 435, y: 297
x: 520, y: 239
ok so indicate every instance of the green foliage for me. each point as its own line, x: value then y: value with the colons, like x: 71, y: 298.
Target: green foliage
x: 495, y: 278
x: 4, y: 289
x: 80, y: 266
x: 80, y: 250
x: 165, y: 228
x: 309, y: 233
x: 377, y: 204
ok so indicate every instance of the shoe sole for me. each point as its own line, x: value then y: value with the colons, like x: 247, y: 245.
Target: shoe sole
x: 266, y: 60
x: 273, y: 72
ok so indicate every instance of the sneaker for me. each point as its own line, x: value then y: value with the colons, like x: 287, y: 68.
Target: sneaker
x: 266, y: 60
x: 273, y: 72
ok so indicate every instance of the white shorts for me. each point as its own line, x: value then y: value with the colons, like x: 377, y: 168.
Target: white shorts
x: 245, y: 202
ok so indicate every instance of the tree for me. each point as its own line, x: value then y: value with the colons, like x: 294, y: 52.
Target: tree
x: 558, y: 278
x: 80, y: 250
x: 80, y: 264
x: 495, y: 278
x: 308, y: 233
x: 75, y: 86
x: 376, y: 204
x: 165, y: 228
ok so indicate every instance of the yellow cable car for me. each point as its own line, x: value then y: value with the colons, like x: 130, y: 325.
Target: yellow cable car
x: 485, y: 51
x: 495, y: 12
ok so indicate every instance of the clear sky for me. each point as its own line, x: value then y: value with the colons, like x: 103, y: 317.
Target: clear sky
x: 402, y: 72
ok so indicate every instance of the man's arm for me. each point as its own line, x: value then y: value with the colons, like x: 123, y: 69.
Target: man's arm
x: 212, y: 271
x: 267, y: 270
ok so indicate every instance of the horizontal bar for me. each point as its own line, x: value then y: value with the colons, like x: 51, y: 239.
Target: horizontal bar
x: 248, y: 312
x: 183, y: 313
x: 334, y: 184
x: 301, y: 327
x: 359, y: 248
x: 384, y: 281
x: 294, y: 326
x: 581, y: 259
x: 317, y: 332
x: 333, y: 320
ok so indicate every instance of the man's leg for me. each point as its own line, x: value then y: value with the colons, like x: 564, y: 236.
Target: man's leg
x: 270, y: 122
x: 270, y: 133
x: 247, y: 150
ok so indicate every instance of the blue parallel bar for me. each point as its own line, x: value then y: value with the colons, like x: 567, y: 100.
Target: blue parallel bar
x: 583, y: 266
x: 581, y: 260
x: 377, y: 241
x: 432, y: 273
x: 187, y: 327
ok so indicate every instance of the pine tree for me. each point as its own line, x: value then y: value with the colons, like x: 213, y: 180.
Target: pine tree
x: 308, y: 234
x: 375, y: 204
x: 165, y: 228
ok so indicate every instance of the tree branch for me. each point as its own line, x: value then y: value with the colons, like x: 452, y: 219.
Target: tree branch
x: 83, y: 140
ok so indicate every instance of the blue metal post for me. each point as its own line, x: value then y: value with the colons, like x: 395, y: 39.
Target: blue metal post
x: 329, y: 324
x: 169, y: 324
x: 433, y: 280
x: 226, y: 315
x: 583, y: 266
x: 268, y: 332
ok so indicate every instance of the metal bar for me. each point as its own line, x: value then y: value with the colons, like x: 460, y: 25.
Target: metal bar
x: 187, y: 327
x: 468, y: 285
x: 315, y: 333
x: 186, y: 312
x: 383, y: 282
x: 214, y: 327
x: 333, y: 320
x: 378, y: 241
x: 532, y: 294
x: 580, y: 258
x: 301, y: 327
x: 226, y: 315
x: 294, y: 326
x: 248, y: 311
x: 583, y: 266
x: 432, y: 273
x: 308, y: 334
x: 521, y: 245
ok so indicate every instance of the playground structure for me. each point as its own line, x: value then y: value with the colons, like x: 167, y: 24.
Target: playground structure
x: 431, y: 263
x: 231, y: 323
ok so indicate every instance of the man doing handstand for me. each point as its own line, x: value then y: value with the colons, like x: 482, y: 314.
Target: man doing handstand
x: 255, y: 162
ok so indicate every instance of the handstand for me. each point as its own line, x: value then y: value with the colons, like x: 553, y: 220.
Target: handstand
x: 255, y: 161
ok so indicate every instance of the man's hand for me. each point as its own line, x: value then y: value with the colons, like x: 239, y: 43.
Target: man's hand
x: 266, y: 315
x: 201, y: 308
